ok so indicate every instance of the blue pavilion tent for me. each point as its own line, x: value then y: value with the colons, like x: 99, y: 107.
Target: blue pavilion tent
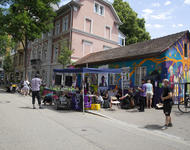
x: 87, y: 70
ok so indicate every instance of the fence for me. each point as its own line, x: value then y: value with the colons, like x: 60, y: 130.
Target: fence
x: 180, y: 92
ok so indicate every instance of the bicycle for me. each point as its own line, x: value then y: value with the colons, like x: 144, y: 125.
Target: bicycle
x: 184, y: 106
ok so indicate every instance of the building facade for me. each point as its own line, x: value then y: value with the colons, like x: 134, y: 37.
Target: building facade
x: 167, y: 57
x: 1, y: 69
x: 86, y: 26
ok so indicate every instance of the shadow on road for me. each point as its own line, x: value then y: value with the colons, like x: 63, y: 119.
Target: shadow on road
x: 132, y: 110
x: 53, y: 108
x: 178, y: 113
x: 153, y: 127
x: 27, y: 107
x: 4, y: 102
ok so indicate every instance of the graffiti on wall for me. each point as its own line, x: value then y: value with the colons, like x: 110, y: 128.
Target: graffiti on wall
x: 171, y: 64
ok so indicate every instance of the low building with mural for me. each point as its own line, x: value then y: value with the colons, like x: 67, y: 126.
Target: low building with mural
x: 156, y: 59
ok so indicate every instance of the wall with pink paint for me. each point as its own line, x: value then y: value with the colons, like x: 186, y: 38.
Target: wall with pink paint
x: 77, y: 44
x: 99, y: 22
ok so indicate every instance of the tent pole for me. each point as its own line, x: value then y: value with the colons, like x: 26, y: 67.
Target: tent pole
x: 83, y: 91
x: 122, y: 83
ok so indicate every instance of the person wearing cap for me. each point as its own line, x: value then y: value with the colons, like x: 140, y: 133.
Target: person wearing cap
x: 142, y: 99
x: 35, y: 84
x: 167, y: 103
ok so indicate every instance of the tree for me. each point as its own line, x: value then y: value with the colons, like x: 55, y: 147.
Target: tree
x: 26, y: 20
x: 133, y: 27
x: 8, y: 63
x: 6, y: 42
x: 65, y: 53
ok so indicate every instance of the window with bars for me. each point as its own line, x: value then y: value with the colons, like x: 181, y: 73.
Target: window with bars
x: 140, y: 73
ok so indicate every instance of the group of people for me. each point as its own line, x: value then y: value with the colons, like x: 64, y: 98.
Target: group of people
x: 108, y: 96
x: 35, y: 87
x: 146, y: 94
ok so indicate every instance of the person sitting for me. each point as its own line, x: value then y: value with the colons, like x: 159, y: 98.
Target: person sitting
x: 99, y: 99
x: 111, y: 95
x: 106, y: 100
x: 119, y: 94
x: 127, y: 100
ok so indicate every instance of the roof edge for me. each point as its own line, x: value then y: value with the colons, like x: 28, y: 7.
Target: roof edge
x: 185, y: 32
x: 120, y: 59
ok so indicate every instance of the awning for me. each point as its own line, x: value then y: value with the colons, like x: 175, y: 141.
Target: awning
x: 87, y: 70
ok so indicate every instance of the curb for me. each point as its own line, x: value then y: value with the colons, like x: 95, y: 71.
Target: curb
x: 97, y: 114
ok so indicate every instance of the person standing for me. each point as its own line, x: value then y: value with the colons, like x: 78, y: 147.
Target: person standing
x: 167, y: 103
x: 149, y: 94
x: 35, y: 84
x: 142, y: 99
x: 25, y: 89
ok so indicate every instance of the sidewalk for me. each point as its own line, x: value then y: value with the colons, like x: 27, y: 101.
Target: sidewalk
x: 151, y: 119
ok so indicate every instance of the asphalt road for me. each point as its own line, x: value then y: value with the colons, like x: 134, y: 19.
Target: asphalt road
x: 23, y: 128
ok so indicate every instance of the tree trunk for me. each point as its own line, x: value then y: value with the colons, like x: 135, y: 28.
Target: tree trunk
x: 25, y: 58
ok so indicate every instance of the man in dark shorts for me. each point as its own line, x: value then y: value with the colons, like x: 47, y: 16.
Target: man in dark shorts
x: 142, y: 99
x: 167, y: 103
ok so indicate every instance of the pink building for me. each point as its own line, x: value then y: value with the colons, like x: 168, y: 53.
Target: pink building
x: 88, y: 26
x: 85, y: 25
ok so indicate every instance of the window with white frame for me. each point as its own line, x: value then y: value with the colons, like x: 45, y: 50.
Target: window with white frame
x: 57, y: 27
x: 107, y: 32
x: 88, y: 25
x: 87, y: 47
x: 121, y: 41
x: 65, y: 23
x: 140, y: 73
x: 99, y: 9
x: 50, y: 33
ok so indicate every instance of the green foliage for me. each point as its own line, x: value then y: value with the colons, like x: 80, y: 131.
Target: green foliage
x: 5, y: 43
x: 26, y: 20
x: 8, y: 63
x: 65, y: 53
x: 133, y: 27
x: 29, y: 19
x: 5, y: 40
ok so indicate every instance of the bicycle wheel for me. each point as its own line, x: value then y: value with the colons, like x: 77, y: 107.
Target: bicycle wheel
x: 184, y: 106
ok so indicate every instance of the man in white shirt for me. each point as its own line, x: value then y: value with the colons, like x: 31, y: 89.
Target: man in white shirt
x: 35, y: 84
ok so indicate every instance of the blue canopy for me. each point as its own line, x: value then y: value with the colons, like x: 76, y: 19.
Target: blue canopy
x: 87, y: 70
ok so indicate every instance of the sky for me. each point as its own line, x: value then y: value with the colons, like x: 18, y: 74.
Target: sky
x: 163, y: 17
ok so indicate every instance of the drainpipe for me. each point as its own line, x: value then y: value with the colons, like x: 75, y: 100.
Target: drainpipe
x: 71, y: 22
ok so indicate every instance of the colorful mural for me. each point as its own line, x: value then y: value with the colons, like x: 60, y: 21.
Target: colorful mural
x: 171, y: 64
